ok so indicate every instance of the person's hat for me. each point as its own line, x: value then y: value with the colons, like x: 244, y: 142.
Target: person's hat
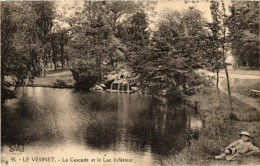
x: 245, y: 133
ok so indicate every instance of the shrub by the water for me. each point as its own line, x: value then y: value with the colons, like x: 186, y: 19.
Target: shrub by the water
x: 84, y: 80
x: 7, y: 94
x: 60, y: 84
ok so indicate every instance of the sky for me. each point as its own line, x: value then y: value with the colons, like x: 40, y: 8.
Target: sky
x: 181, y: 5
x: 160, y: 7
x: 203, y: 6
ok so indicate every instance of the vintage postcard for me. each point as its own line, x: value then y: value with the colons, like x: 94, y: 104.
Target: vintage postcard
x: 130, y: 83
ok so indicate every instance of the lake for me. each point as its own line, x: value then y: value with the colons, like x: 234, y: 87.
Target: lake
x: 94, y: 128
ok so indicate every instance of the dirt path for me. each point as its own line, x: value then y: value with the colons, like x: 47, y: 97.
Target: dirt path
x: 245, y: 99
x: 233, y: 75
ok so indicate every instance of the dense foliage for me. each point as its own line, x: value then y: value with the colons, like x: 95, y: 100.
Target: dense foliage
x: 168, y: 60
x: 111, y: 36
x: 98, y: 43
x: 25, y: 27
x: 244, y: 31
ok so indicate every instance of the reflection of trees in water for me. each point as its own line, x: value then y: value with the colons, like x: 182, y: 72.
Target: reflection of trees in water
x: 157, y: 126
x: 102, y: 130
x: 108, y: 120
x: 161, y: 127
x: 102, y: 121
x: 103, y: 133
x: 94, y: 102
x: 25, y: 122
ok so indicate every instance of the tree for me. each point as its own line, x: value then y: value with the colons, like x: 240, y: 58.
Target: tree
x: 173, y: 53
x: 19, y: 41
x: 62, y: 38
x: 8, y: 29
x: 90, y: 37
x: 95, y: 36
x: 54, y: 46
x: 219, y: 41
x: 214, y: 42
x: 224, y: 17
x: 44, y: 22
x: 244, y: 33
x: 136, y: 38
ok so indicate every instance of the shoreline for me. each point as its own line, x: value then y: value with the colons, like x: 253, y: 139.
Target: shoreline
x: 50, y: 86
x: 220, y: 129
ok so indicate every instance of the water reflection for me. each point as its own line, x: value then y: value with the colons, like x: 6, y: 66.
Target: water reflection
x: 102, y: 121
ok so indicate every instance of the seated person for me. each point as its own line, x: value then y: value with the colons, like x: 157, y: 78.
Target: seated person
x: 242, y: 147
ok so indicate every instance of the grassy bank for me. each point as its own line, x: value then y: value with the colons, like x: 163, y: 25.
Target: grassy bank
x: 53, y: 79
x: 220, y: 130
x: 59, y: 78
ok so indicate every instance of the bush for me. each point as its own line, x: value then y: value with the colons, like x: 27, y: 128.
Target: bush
x: 60, y: 84
x: 7, y: 94
x: 84, y: 80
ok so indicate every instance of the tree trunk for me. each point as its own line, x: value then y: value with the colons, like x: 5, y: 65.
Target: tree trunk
x: 247, y: 63
x: 16, y: 88
x: 55, y: 66
x: 228, y: 85
x: 2, y: 77
x: 62, y: 64
x: 224, y: 58
x: 227, y: 77
x: 68, y: 67
x: 62, y: 56
x: 219, y: 99
x: 217, y: 79
x: 44, y: 63
x: 18, y: 83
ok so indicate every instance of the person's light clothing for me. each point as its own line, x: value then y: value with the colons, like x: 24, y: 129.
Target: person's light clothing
x: 238, y: 148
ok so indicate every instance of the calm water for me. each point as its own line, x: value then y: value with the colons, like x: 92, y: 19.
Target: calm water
x: 69, y: 123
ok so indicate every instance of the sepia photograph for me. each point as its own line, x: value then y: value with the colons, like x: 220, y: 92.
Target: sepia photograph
x: 130, y: 83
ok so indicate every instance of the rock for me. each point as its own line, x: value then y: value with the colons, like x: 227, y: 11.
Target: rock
x: 102, y: 85
x: 134, y: 89
x: 113, y: 72
x: 96, y: 87
x: 190, y: 91
x: 164, y: 92
x: 187, y: 86
x: 180, y: 88
x: 196, y: 88
x: 202, y: 86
